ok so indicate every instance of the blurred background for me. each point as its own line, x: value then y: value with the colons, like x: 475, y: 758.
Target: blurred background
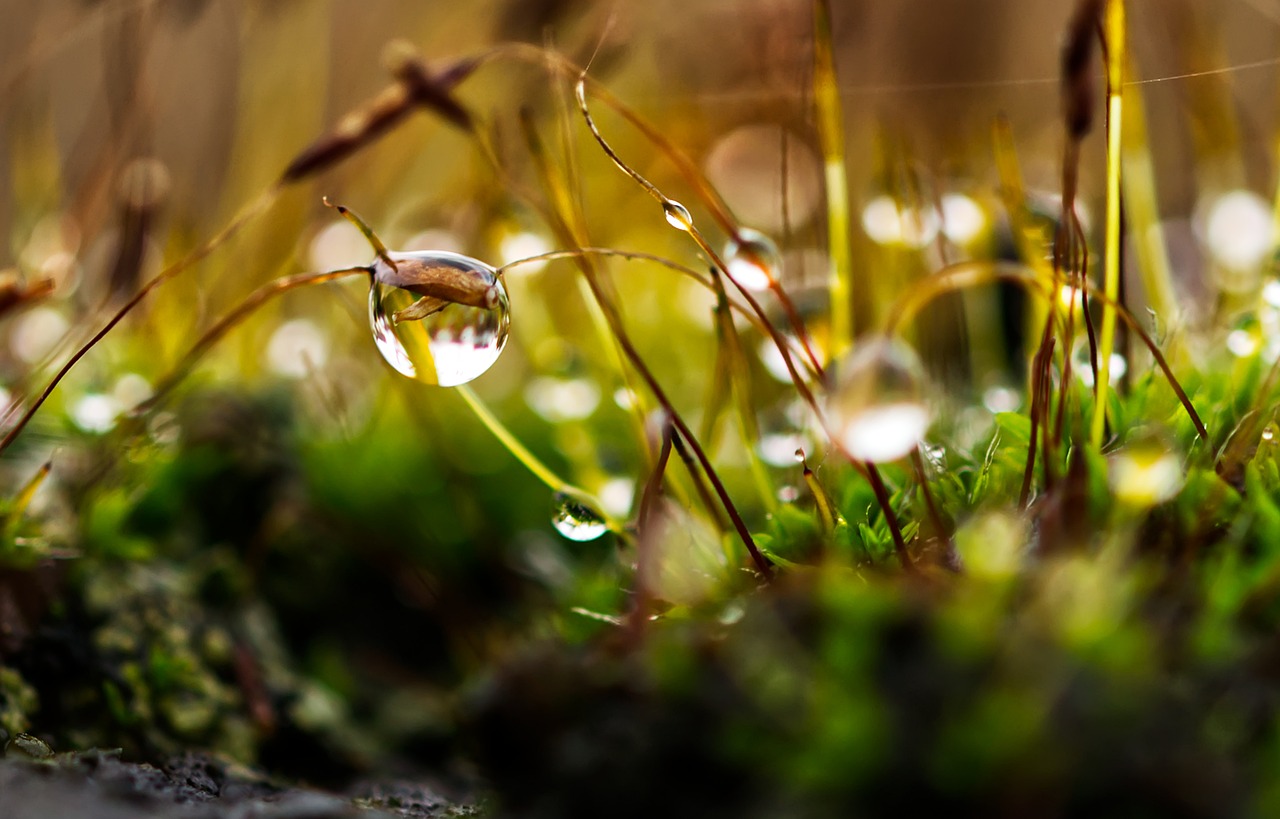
x: 132, y: 131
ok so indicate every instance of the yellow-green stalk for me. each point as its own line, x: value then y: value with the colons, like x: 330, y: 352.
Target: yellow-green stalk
x: 531, y: 462
x: 1115, y: 37
x: 826, y: 98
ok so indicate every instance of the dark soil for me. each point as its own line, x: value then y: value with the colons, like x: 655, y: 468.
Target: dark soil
x: 98, y: 785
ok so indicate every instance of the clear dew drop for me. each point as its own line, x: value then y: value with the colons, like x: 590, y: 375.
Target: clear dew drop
x: 452, y: 345
x: 575, y: 519
x: 876, y: 407
x: 752, y: 259
x: 1269, y: 433
x: 678, y: 215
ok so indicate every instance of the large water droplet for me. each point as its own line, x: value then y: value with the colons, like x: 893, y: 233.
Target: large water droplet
x: 752, y: 259
x: 876, y: 407
x: 440, y: 317
x: 575, y: 519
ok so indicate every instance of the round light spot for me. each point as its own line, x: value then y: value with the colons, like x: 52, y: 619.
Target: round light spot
x: 746, y: 168
x: 36, y: 332
x: 522, y: 245
x: 1238, y: 230
x: 296, y: 349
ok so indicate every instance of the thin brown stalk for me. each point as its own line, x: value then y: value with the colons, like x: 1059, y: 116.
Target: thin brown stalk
x: 257, y: 206
x: 931, y: 506
x: 646, y: 520
x: 242, y: 311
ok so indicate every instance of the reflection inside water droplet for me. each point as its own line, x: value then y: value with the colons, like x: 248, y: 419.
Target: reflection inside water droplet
x: 432, y: 340
x: 752, y: 259
x: 575, y: 519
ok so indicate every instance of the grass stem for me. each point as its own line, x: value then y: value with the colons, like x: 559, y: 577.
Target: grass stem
x: 1114, y: 27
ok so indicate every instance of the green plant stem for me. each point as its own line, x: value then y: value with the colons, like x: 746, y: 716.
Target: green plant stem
x: 826, y: 94
x: 1115, y: 40
x: 530, y: 461
x: 972, y: 274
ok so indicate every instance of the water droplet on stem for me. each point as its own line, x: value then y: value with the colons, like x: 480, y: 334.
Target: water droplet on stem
x: 438, y: 317
x: 752, y: 259
x: 576, y: 519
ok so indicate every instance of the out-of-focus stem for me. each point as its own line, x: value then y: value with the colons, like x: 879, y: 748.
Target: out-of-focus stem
x: 826, y: 97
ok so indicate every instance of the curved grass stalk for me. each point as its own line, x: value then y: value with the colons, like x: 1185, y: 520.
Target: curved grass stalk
x: 238, y: 314
x: 679, y: 217
x: 271, y: 290
x: 697, y: 181
x: 530, y: 461
x: 975, y: 274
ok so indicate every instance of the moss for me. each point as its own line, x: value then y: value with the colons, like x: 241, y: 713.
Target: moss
x: 18, y: 702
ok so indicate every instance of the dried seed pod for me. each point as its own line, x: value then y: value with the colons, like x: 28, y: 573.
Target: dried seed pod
x: 415, y: 86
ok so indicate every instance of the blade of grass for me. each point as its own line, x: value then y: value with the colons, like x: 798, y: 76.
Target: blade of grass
x: 1115, y: 39
x: 826, y: 93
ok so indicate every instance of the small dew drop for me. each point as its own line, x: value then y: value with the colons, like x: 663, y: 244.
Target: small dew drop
x: 452, y: 342
x: 1269, y: 433
x: 575, y: 519
x: 779, y: 448
x: 800, y: 455
x: 876, y: 407
x: 753, y: 260
x: 678, y: 215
